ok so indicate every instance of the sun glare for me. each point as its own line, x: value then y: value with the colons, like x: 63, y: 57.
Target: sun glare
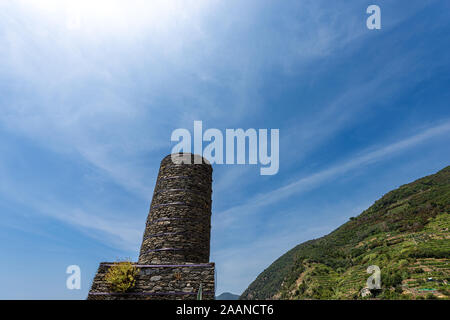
x: 117, y: 14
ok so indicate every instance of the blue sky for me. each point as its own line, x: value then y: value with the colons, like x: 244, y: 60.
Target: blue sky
x: 86, y: 116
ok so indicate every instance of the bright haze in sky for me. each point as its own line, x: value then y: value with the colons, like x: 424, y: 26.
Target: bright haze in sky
x: 90, y: 92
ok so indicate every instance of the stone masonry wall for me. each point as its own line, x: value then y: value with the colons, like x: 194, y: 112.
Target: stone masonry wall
x: 179, y: 222
x: 159, y: 282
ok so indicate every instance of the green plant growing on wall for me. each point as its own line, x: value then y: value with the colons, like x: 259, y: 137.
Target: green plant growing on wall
x: 122, y: 276
x: 200, y: 293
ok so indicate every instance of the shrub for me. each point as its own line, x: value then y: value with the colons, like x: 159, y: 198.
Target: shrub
x: 122, y: 276
x: 445, y: 292
x: 390, y: 278
x: 403, y: 263
x: 398, y: 289
x: 430, y: 296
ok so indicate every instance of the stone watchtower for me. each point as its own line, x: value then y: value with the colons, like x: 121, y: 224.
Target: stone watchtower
x: 174, y: 255
x: 179, y: 223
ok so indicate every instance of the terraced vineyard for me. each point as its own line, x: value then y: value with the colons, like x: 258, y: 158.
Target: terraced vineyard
x: 405, y: 233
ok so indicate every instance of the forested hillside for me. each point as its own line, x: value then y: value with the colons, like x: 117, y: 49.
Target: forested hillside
x: 405, y: 233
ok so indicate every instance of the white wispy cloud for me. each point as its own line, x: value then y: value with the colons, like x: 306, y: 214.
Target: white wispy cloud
x: 77, y: 89
x: 303, y: 184
x: 110, y: 228
x: 240, y: 264
x: 77, y: 97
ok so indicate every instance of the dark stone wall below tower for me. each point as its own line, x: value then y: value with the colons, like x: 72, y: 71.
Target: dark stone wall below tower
x: 159, y: 282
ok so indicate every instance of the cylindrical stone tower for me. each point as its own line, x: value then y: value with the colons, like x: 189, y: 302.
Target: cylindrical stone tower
x: 179, y: 222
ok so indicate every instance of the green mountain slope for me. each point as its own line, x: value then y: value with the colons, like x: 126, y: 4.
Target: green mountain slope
x: 405, y: 233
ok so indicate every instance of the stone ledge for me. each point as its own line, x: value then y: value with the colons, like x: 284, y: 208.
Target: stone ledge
x: 209, y: 264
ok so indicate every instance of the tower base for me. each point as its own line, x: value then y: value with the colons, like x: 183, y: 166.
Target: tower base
x: 159, y: 282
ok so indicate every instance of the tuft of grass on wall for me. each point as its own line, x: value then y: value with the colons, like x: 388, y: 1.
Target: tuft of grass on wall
x: 122, y: 276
